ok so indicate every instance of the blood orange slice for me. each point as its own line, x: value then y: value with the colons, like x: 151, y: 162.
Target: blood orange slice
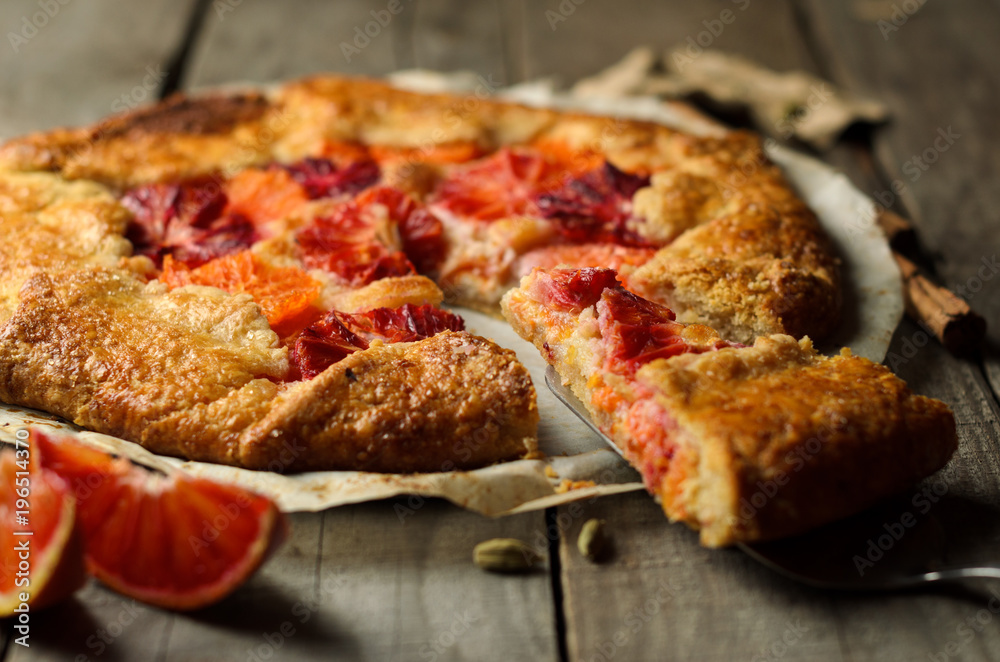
x: 284, y: 294
x: 187, y: 220
x: 510, y: 181
x: 351, y: 243
x: 596, y: 206
x: 322, y: 178
x: 41, y: 558
x: 264, y: 195
x: 172, y: 541
x: 339, y: 334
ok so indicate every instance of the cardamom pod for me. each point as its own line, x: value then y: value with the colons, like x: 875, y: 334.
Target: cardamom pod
x: 594, y: 542
x: 504, y: 555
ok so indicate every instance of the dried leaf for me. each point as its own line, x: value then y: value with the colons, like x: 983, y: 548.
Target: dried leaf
x: 784, y: 105
x: 623, y: 79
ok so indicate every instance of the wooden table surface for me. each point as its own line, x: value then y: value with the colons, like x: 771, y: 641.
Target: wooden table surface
x: 363, y: 583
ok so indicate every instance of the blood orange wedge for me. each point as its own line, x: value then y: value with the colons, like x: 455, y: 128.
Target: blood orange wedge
x: 339, y: 334
x: 511, y: 180
x: 351, y: 241
x: 283, y: 293
x: 264, y: 195
x: 41, y: 558
x: 172, y: 541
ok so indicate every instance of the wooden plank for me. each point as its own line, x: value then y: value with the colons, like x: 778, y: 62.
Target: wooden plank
x: 84, y: 61
x: 512, y: 17
x: 360, y: 583
x: 571, y: 40
x: 260, y: 41
x: 95, y: 623
x: 939, y: 147
x: 390, y: 580
x: 451, y: 35
x: 415, y: 579
x: 665, y: 597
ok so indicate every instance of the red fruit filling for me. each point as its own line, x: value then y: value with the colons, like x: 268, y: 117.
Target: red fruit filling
x: 185, y: 220
x: 502, y: 185
x: 574, y: 289
x: 423, y: 240
x: 638, y: 331
x: 340, y: 334
x: 347, y: 243
x: 321, y: 178
x: 635, y: 330
x: 595, y: 206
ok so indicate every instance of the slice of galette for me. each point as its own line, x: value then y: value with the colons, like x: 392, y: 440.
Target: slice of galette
x: 740, y: 442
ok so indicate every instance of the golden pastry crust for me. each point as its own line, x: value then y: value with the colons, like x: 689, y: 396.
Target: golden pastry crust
x: 751, y: 273
x: 745, y: 276
x: 109, y: 353
x: 177, y: 138
x: 746, y: 443
x: 192, y: 373
x: 453, y: 401
x: 37, y: 209
x: 789, y: 439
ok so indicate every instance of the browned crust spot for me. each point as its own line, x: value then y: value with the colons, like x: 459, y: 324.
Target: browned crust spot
x: 180, y: 114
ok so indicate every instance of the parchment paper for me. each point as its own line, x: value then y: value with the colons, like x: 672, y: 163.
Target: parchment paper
x: 873, y: 308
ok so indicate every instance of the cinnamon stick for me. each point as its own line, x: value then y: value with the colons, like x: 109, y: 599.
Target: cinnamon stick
x: 900, y: 233
x: 959, y: 328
